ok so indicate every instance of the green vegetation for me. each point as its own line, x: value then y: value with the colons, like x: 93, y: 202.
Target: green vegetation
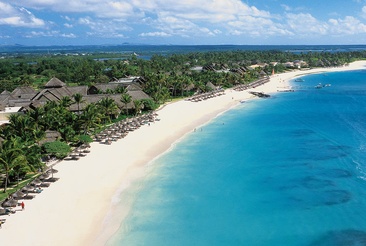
x: 56, y: 149
x: 25, y: 138
x: 164, y: 78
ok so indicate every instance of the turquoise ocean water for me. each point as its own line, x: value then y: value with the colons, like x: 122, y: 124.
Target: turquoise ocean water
x: 288, y: 170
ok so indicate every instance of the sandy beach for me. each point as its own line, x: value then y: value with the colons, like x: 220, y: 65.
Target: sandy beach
x: 74, y: 210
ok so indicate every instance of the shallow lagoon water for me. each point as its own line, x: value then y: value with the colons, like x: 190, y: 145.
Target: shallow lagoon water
x: 288, y: 170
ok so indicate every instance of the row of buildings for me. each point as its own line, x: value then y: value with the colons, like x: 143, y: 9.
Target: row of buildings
x: 25, y: 98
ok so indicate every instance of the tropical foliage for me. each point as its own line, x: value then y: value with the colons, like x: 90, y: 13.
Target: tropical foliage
x: 24, y: 139
x: 166, y: 75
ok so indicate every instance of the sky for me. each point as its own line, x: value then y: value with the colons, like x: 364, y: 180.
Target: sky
x: 182, y: 22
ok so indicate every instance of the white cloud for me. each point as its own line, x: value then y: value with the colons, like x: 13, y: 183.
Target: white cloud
x: 347, y: 26
x: 104, y: 28
x: 180, y: 18
x: 68, y: 35
x: 34, y: 34
x: 57, y: 34
x: 363, y: 13
x: 174, y: 26
x: 121, y: 9
x: 168, y: 18
x: 155, y: 34
x: 305, y: 24
x: 209, y: 10
x: 286, y: 7
x: 18, y: 17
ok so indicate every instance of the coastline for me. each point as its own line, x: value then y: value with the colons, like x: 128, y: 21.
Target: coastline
x: 72, y: 211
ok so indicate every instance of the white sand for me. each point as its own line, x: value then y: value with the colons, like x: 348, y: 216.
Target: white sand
x: 72, y: 211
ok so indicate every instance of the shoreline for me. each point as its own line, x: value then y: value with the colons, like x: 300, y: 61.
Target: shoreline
x: 76, y: 210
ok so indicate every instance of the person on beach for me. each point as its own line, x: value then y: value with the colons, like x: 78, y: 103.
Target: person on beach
x: 22, y: 204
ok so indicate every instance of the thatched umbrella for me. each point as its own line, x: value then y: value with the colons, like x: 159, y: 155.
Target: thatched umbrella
x: 44, y: 176
x: 52, y: 171
x: 52, y: 179
x: 36, y: 182
x: 86, y: 145
x: 74, y: 156
x: 44, y: 184
x: 28, y: 188
x: 82, y: 154
x: 9, y: 203
x: 98, y: 137
x: 18, y: 195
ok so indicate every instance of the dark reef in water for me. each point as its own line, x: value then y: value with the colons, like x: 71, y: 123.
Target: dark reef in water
x: 342, y: 238
x: 315, y: 183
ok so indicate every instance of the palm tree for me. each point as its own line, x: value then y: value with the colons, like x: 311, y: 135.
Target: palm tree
x: 138, y: 106
x: 21, y: 126
x: 36, y: 115
x: 90, y: 118
x: 65, y: 101
x: 126, y: 99
x: 78, y: 98
x: 109, y: 107
x: 11, y: 157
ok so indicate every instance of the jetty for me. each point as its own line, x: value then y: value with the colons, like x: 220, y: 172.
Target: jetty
x: 259, y: 94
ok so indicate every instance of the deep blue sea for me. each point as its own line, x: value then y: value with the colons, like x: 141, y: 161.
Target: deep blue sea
x: 146, y: 51
x: 288, y: 170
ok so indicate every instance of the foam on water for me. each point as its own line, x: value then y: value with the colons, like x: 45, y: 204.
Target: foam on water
x: 289, y: 170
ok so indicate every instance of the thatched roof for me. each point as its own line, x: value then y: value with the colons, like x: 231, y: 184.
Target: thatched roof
x: 5, y: 92
x: 4, y: 98
x: 83, y: 90
x: 51, y: 136
x: 262, y: 73
x: 19, y: 102
x: 104, y: 87
x: 133, y: 87
x: 54, y: 83
x: 138, y: 95
x: 18, y: 92
x: 88, y: 99
x: 211, y: 86
x: 52, y: 94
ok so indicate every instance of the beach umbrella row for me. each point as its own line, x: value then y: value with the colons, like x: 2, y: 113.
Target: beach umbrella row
x: 252, y: 85
x: 33, y: 187
x: 79, y: 152
x: 113, y: 133
x: 121, y: 129
x: 207, y: 95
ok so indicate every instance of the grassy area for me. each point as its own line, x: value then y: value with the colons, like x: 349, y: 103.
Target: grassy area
x: 176, y: 99
x: 14, y: 187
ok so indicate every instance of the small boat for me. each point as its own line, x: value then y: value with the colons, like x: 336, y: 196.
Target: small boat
x: 318, y: 86
x: 299, y: 80
x: 327, y: 85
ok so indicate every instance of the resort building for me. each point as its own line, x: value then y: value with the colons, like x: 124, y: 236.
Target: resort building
x: 24, y: 98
